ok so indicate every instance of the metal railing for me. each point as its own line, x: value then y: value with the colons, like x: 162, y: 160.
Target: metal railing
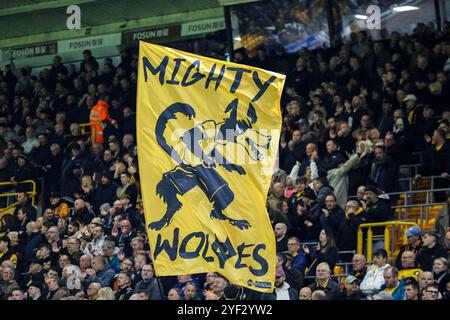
x: 415, y: 166
x: 412, y: 181
x: 424, y: 211
x: 428, y: 194
x: 407, y: 195
x: 387, y: 236
x: 32, y: 193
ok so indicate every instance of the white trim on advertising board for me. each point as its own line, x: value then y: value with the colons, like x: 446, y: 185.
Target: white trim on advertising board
x: 202, y: 26
x: 100, y: 41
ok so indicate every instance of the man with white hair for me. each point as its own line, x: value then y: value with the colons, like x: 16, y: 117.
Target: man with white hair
x: 324, y: 282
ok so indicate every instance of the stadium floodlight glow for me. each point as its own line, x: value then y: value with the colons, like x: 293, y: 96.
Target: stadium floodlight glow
x: 361, y: 17
x: 405, y: 8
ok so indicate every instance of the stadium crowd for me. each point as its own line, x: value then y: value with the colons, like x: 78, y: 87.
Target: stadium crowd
x: 351, y: 116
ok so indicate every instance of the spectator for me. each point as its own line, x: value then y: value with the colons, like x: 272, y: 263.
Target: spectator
x: 283, y: 290
x: 332, y: 215
x: 294, y: 277
x: 125, y: 291
x: 441, y: 274
x: 100, y: 272
x: 140, y: 295
x: 354, y: 216
x: 414, y: 243
x: 305, y: 294
x: 105, y: 192
x: 359, y: 262
x: 35, y: 290
x: 7, y: 282
x: 424, y: 280
x: 300, y: 260
x: 175, y: 294
x: 109, y: 250
x: 52, y: 288
x: 309, y: 216
x: 124, y: 237
x: 385, y: 172
x: 392, y: 285
x: 411, y: 291
x: 281, y: 237
x: 324, y: 282
x: 319, y: 295
x: 334, y: 156
x: 219, y: 285
x: 16, y: 294
x: 5, y: 252
x: 374, y: 280
x: 149, y: 283
x: 106, y: 293
x: 326, y: 251
x: 378, y: 209
x: 322, y: 190
x: 24, y: 201
x: 430, y: 292
x: 351, y: 289
x: 431, y: 249
x: 408, y: 266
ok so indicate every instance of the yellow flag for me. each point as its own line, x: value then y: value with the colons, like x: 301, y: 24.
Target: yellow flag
x: 208, y: 133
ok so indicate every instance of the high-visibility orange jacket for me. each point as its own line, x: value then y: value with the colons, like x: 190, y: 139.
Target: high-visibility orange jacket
x: 99, y: 113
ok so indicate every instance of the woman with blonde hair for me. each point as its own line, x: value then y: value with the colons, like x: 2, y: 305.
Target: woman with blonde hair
x: 106, y: 293
x: 87, y: 188
x: 441, y: 274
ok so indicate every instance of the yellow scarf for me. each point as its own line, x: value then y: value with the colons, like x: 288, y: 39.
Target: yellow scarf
x: 356, y: 213
x: 322, y: 284
x: 411, y: 116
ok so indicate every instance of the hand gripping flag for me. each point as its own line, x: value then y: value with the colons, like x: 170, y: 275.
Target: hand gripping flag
x: 208, y: 133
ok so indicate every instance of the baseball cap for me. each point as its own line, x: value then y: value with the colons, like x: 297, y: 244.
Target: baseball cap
x: 410, y: 97
x: 413, y: 231
x: 105, y: 206
x: 351, y: 279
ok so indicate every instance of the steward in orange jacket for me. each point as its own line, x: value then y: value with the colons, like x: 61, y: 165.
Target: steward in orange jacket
x: 99, y: 113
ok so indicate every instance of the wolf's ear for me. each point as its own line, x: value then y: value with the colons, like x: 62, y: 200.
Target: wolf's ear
x: 232, y: 106
x: 251, y: 113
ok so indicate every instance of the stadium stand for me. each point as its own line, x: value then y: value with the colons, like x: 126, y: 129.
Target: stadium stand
x: 359, y: 203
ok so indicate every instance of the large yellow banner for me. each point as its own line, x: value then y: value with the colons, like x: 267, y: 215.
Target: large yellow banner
x: 207, y: 133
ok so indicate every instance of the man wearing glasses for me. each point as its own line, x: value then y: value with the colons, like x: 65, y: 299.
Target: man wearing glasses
x: 7, y: 283
x: 431, y: 292
x: 408, y: 266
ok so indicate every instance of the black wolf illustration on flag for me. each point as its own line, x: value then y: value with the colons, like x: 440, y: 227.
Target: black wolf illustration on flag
x: 198, y: 157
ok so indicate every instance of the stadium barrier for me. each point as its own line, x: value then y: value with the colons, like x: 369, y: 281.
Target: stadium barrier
x: 388, y: 241
x: 32, y: 193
